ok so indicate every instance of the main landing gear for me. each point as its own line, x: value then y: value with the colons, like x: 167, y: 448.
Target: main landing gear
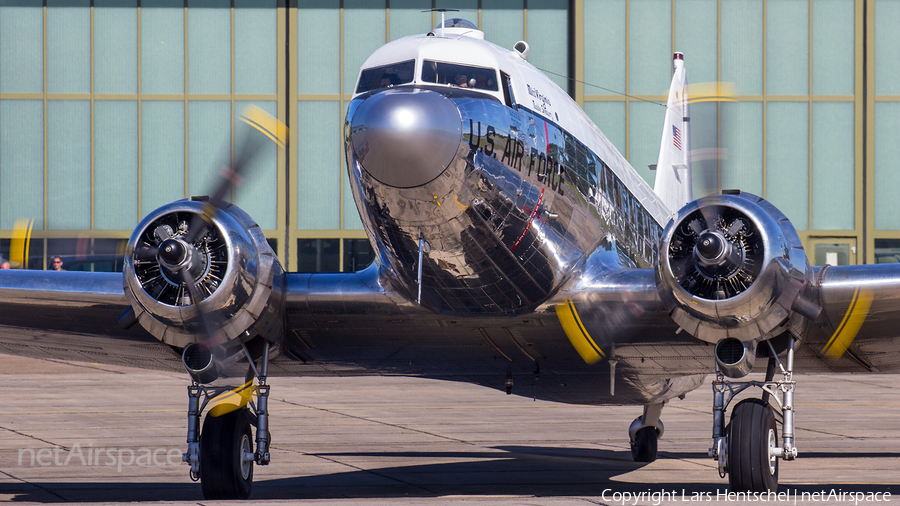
x: 747, y: 448
x: 222, y: 456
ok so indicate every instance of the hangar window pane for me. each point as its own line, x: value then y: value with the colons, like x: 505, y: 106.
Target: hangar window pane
x: 548, y: 29
x: 833, y: 171
x: 319, y: 166
x: 115, y: 165
x: 407, y: 18
x: 209, y: 145
x: 318, y: 255
x: 787, y: 47
x: 358, y: 254
x: 887, y: 177
x: 255, y: 46
x: 21, y: 169
x: 115, y: 46
x: 604, y: 67
x: 696, y: 28
x: 742, y: 45
x: 21, y: 47
x: 162, y: 46
x: 69, y: 164
x: 610, y: 118
x: 787, y: 162
x: 887, y: 40
x: 162, y: 153
x: 643, y: 137
x: 502, y: 21
x: 318, y: 51
x: 68, y: 46
x: 742, y: 139
x: 364, y: 30
x: 833, y: 42
x: 887, y: 251
x: 705, y: 152
x: 650, y: 46
x: 258, y: 195
x: 209, y: 46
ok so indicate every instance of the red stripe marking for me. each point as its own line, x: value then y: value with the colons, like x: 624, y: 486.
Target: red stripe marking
x: 547, y: 136
x: 530, y: 219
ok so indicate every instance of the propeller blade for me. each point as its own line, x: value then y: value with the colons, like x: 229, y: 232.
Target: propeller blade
x: 211, y: 327
x: 264, y: 126
x: 146, y: 253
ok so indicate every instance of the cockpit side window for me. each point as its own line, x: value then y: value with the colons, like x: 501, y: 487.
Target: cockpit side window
x: 464, y: 76
x: 507, y: 90
x: 386, y: 76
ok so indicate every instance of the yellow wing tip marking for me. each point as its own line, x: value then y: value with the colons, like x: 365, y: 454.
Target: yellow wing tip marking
x: 578, y: 336
x: 232, y: 400
x: 712, y: 92
x: 20, y: 243
x: 265, y: 123
x: 849, y: 328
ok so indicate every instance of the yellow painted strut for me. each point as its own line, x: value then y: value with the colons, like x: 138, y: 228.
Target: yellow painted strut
x: 232, y: 400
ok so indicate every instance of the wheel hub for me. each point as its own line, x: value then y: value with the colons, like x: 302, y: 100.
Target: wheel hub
x: 247, y: 456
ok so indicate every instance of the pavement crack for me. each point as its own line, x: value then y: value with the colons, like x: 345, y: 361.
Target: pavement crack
x: 387, y: 424
x: 66, y: 448
x: 54, y: 494
x: 369, y: 471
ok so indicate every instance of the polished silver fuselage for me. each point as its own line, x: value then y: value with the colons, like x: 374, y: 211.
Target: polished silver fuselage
x: 509, y: 221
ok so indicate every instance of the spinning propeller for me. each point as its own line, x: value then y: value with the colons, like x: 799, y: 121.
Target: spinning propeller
x: 182, y: 258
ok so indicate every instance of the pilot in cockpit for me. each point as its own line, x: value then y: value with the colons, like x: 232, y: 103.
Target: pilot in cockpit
x: 462, y: 81
x: 388, y: 80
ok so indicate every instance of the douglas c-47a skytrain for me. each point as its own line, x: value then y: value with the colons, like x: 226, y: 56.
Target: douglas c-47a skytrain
x: 513, y: 242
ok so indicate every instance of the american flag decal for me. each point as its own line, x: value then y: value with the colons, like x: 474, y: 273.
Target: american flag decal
x: 676, y: 136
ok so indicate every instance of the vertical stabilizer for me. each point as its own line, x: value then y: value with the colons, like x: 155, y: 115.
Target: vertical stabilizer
x: 673, y: 169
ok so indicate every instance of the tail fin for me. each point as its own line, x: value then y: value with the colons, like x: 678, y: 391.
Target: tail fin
x: 673, y: 169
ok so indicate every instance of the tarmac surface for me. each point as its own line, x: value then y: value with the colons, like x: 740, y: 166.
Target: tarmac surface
x: 74, y: 432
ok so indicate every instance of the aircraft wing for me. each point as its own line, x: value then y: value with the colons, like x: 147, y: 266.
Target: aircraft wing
x: 72, y: 316
x: 859, y: 328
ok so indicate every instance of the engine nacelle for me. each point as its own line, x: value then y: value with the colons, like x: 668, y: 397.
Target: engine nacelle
x: 238, y: 274
x: 732, y: 266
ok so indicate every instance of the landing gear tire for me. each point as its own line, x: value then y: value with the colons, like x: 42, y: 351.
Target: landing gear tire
x: 751, y: 436
x: 645, y: 445
x: 226, y: 442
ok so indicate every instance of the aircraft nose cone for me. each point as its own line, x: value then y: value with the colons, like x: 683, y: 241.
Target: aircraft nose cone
x: 709, y: 246
x: 406, y: 137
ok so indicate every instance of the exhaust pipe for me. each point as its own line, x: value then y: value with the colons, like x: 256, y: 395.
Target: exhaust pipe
x: 199, y: 363
x: 735, y: 358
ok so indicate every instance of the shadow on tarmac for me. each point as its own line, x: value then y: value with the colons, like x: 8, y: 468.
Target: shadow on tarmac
x: 511, y: 470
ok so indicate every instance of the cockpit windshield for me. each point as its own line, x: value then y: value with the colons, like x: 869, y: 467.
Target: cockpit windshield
x: 464, y: 76
x: 386, y: 76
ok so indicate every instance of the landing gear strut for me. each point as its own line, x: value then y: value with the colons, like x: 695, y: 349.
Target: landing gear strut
x: 747, y: 448
x: 222, y: 457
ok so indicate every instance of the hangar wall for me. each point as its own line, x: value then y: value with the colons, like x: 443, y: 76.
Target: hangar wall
x: 109, y: 108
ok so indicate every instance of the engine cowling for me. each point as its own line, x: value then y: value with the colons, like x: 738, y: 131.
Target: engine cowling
x: 732, y: 266
x: 237, y: 273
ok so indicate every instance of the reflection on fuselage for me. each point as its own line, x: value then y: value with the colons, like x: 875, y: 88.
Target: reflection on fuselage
x: 509, y: 222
